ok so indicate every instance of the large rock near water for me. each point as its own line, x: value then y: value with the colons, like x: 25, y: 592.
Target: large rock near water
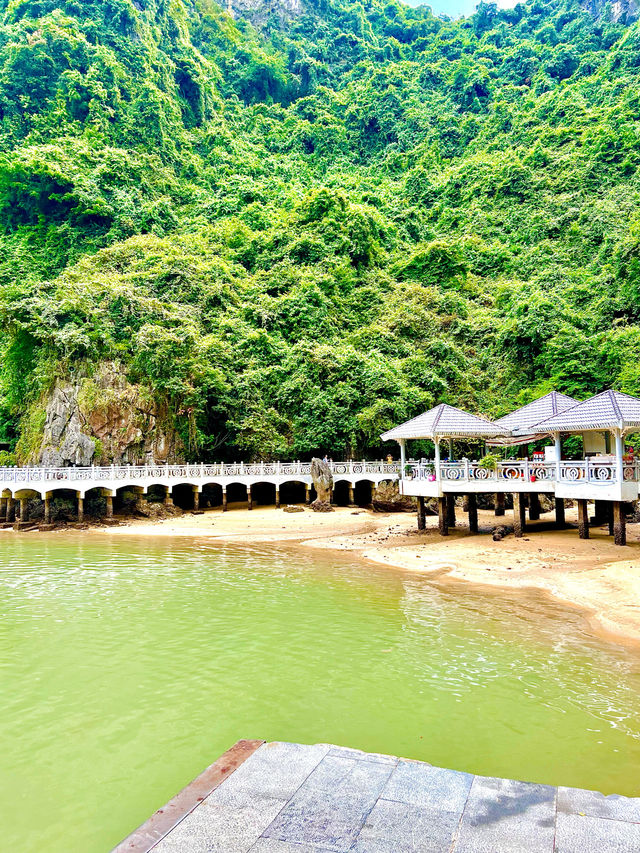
x: 323, y: 484
x: 104, y: 418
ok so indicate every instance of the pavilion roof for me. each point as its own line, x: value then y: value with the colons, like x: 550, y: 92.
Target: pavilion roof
x: 444, y: 421
x: 608, y: 410
x: 521, y: 421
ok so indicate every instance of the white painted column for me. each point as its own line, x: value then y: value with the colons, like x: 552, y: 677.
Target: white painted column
x: 619, y: 455
x: 436, y: 460
x: 402, y: 456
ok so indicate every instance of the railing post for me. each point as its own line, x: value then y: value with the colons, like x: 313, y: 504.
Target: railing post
x: 202, y: 469
x: 527, y: 475
x: 466, y: 469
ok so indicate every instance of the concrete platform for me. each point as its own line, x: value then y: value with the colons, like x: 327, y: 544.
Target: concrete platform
x: 289, y: 798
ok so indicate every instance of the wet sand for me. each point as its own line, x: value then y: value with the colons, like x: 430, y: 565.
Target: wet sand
x: 594, y: 575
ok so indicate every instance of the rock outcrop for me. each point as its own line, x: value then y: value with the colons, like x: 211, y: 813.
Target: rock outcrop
x: 323, y: 484
x: 387, y: 498
x: 105, y: 419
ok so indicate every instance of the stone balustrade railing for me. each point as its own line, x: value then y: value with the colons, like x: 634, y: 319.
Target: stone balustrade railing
x: 198, y: 471
x: 587, y: 471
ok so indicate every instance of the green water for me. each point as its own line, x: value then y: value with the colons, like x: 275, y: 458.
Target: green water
x: 127, y: 665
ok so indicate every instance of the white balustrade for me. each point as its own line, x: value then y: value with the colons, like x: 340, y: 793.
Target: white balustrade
x: 525, y: 470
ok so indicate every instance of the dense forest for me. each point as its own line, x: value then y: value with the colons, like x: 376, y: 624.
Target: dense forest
x: 296, y: 227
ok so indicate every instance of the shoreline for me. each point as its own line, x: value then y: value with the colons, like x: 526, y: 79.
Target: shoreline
x: 594, y: 576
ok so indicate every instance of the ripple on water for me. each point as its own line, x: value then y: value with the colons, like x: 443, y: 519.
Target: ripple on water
x: 127, y: 665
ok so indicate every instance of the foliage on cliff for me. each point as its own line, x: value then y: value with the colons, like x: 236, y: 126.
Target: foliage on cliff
x: 298, y: 235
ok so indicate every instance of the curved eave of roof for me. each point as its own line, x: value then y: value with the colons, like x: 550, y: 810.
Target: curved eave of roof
x: 587, y: 427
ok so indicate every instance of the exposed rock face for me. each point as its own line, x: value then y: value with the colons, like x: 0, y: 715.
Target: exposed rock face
x: 623, y: 11
x: 105, y: 419
x: 258, y: 11
x: 387, y: 498
x: 323, y: 484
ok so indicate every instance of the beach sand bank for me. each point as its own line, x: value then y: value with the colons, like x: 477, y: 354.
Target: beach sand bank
x: 594, y: 575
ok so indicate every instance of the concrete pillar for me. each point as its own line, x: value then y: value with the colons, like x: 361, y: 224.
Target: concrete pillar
x: 451, y: 510
x: 472, y: 503
x: 24, y: 509
x: 277, y: 497
x: 519, y: 514
x: 168, y: 500
x: 619, y: 523
x: 534, y: 506
x: 249, y: 498
x: 610, y: 519
x: 498, y: 503
x: 307, y: 494
x: 11, y: 509
x: 422, y: 521
x: 224, y: 500
x: 47, y: 509
x: 583, y: 519
x: 560, y: 519
x: 109, y: 500
x: 3, y: 509
x: 80, y: 508
x: 443, y: 525
x: 352, y: 495
x: 196, y: 497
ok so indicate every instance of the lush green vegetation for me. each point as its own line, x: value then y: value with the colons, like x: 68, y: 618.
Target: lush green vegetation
x: 299, y: 234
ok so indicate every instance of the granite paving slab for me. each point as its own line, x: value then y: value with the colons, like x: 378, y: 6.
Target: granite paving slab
x: 291, y: 798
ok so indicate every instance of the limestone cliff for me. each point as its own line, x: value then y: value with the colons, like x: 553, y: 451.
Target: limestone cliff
x: 103, y: 419
x: 618, y: 11
x: 258, y: 11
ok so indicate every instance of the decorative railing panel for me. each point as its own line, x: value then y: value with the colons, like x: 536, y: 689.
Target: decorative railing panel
x: 523, y: 470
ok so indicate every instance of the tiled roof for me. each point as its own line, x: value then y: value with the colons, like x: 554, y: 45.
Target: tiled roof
x: 445, y: 421
x: 525, y: 417
x: 608, y: 410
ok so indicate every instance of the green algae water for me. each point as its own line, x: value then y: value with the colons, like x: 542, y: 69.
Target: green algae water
x: 129, y: 664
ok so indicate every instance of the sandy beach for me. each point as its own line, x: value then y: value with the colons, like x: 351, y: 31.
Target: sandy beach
x: 594, y: 575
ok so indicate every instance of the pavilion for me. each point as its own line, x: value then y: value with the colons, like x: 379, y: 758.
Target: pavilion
x: 605, y: 475
x: 441, y: 423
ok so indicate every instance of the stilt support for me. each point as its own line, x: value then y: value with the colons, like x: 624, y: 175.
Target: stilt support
x: 560, y: 519
x: 352, y: 495
x: 519, y: 515
x: 307, y: 495
x: 534, y: 506
x: 619, y: 524
x: 277, y: 498
x: 24, y: 509
x: 196, y: 498
x: 168, y: 500
x: 422, y: 521
x: 583, y: 519
x: 109, y: 500
x: 443, y: 525
x: 498, y: 503
x: 451, y: 510
x: 47, y: 509
x: 11, y: 509
x: 610, y: 520
x: 80, y: 508
x: 224, y: 500
x: 249, y: 498
x: 472, y: 503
